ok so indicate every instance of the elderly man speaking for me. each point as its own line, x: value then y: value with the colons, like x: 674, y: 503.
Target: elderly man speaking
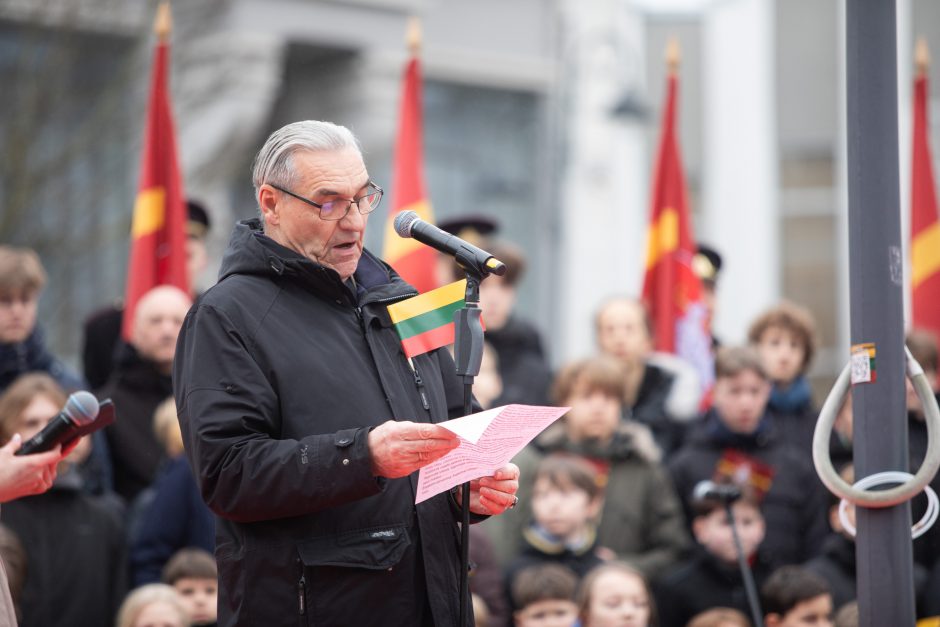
x: 303, y: 419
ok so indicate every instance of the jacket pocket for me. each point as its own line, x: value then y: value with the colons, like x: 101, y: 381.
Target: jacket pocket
x: 342, y: 573
x: 377, y: 548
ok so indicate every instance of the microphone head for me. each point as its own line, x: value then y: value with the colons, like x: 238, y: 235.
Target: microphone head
x: 711, y: 491
x: 404, y: 221
x: 82, y: 407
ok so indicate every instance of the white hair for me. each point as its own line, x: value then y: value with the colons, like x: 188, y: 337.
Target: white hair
x: 274, y: 163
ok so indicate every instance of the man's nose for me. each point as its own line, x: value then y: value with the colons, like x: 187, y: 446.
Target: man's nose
x: 353, y: 220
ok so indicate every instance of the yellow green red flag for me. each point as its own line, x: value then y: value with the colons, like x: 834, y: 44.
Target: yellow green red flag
x: 426, y: 322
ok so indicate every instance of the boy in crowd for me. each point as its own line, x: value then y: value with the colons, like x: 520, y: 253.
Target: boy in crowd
x: 640, y: 518
x: 711, y: 577
x: 785, y: 339
x: 195, y: 577
x: 545, y: 597
x: 22, y: 345
x: 793, y: 597
x: 736, y: 441
x: 565, y: 501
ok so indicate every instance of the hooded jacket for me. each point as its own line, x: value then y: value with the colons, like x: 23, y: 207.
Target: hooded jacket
x: 280, y: 373
x: 794, y: 507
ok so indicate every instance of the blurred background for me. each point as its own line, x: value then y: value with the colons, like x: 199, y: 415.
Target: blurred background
x: 542, y: 114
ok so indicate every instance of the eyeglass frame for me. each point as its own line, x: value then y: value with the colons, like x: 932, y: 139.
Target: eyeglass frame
x: 352, y: 201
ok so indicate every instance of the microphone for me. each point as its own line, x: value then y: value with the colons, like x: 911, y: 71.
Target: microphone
x: 711, y: 491
x: 80, y: 410
x: 469, y: 257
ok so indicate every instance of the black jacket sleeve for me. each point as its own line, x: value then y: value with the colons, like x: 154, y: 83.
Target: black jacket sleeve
x: 230, y: 418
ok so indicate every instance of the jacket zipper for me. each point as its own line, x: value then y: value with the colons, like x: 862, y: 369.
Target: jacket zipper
x: 419, y: 383
x: 302, y: 594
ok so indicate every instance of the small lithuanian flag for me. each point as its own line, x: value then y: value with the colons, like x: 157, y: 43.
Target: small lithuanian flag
x: 426, y: 321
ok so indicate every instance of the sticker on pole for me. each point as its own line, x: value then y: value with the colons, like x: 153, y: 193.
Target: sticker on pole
x: 863, y: 363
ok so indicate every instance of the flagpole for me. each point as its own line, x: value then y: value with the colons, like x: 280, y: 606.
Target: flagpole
x: 883, y: 543
x: 163, y: 23
x: 921, y: 57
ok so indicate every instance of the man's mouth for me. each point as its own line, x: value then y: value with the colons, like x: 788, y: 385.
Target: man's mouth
x: 346, y: 246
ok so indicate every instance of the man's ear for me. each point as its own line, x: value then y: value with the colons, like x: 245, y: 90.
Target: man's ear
x: 267, y: 202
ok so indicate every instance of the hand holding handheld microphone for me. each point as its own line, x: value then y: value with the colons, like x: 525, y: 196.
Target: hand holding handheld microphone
x: 74, y: 420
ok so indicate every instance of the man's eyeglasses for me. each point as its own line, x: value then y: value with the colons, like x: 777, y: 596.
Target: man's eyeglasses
x: 337, y: 209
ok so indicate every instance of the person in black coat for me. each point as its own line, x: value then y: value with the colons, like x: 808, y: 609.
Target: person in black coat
x: 76, y: 557
x: 625, y: 332
x: 303, y: 419
x: 139, y: 383
x: 737, y: 441
x: 711, y: 577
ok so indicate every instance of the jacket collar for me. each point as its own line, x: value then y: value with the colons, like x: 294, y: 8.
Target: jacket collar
x: 251, y: 252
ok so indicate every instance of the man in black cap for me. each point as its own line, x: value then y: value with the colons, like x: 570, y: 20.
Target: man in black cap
x: 707, y: 264
x: 103, y: 327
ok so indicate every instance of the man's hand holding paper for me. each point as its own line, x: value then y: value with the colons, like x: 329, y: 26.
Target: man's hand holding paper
x: 488, y: 441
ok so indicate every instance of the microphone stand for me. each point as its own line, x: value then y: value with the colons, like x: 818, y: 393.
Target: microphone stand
x: 468, y: 354
x: 750, y: 589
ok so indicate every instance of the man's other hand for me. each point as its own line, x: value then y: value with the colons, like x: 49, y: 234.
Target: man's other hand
x: 494, y: 494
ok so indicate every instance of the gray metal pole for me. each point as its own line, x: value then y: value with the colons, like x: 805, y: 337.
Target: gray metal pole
x: 883, y: 544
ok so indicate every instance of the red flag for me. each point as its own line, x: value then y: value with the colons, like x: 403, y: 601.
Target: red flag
x: 414, y: 261
x: 158, y: 232
x: 671, y: 289
x: 925, y: 228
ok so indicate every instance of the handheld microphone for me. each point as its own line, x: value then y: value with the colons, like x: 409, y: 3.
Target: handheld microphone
x: 81, y: 409
x: 711, y: 491
x: 468, y: 256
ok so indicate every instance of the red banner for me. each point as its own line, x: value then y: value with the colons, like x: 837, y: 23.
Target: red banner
x: 414, y: 261
x: 158, y: 232
x: 925, y: 228
x: 671, y: 290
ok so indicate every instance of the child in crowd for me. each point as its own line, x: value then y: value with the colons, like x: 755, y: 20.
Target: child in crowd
x: 712, y: 577
x: 22, y: 344
x: 736, y: 442
x: 79, y: 582
x: 793, y: 596
x: 174, y: 516
x: 544, y: 596
x: 153, y: 605
x: 616, y: 595
x: 195, y: 577
x: 565, y: 501
x: 720, y: 617
x: 785, y: 338
x: 640, y: 518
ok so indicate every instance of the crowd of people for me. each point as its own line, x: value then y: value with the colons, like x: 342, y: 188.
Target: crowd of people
x: 609, y: 528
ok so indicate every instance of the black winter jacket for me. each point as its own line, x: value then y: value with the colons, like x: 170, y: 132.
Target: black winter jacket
x: 76, y: 555
x: 795, y: 507
x: 280, y: 373
x: 137, y: 388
